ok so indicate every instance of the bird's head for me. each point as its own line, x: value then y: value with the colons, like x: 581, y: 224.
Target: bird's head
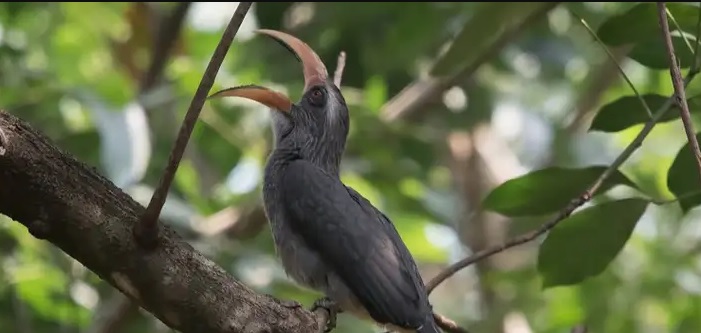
x: 318, y: 124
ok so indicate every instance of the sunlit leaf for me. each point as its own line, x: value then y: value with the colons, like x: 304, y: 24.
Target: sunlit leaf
x: 640, y: 23
x: 583, y: 245
x: 627, y: 111
x: 548, y: 190
x: 489, y: 24
x: 683, y: 178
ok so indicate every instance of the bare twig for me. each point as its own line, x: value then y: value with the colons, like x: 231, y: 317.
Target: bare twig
x: 618, y: 65
x: 340, y: 66
x: 679, y: 91
x: 603, y: 77
x: 574, y: 204
x: 146, y: 231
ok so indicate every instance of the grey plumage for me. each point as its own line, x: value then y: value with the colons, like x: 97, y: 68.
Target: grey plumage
x: 328, y: 236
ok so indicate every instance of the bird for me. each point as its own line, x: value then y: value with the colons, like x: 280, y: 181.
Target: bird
x: 328, y: 236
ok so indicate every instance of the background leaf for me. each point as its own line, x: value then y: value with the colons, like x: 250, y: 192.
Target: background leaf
x: 653, y: 53
x: 639, y: 24
x: 584, y: 244
x: 627, y: 111
x: 490, y: 22
x: 683, y: 179
x: 547, y: 190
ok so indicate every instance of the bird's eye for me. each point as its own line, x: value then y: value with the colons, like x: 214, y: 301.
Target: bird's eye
x: 317, y: 96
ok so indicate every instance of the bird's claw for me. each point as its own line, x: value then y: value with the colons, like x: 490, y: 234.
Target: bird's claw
x: 331, y: 307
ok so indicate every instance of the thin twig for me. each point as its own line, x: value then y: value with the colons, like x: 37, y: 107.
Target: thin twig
x: 620, y: 68
x: 574, y: 204
x: 679, y: 90
x: 146, y: 231
x: 679, y: 28
x: 340, y: 66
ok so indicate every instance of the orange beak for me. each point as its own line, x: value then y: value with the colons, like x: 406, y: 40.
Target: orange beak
x: 262, y: 95
x: 314, y: 73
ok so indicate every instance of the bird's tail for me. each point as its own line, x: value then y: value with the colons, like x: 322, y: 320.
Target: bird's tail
x: 429, y: 326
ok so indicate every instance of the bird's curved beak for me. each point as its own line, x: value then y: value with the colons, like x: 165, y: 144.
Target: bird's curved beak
x: 262, y: 95
x: 314, y: 70
x: 314, y: 73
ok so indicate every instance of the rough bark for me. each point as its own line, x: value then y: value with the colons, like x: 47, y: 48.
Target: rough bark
x: 71, y: 205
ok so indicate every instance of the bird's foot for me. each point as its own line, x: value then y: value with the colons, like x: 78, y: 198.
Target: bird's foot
x: 331, y: 307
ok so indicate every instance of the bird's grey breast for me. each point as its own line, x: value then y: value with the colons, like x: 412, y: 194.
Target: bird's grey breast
x: 299, y: 261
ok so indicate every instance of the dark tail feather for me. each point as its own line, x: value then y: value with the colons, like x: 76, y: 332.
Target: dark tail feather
x: 429, y: 326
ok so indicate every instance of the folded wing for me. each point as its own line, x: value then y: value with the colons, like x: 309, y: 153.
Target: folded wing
x: 356, y: 241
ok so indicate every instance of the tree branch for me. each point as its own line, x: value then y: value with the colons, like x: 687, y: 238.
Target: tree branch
x: 570, y: 208
x: 61, y: 200
x: 112, y: 314
x: 679, y: 91
x: 146, y: 231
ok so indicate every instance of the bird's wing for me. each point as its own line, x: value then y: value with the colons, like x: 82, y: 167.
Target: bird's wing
x: 391, y: 231
x: 353, y: 242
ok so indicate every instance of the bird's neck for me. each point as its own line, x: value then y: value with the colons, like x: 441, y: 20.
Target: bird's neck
x: 324, y: 151
x: 327, y: 153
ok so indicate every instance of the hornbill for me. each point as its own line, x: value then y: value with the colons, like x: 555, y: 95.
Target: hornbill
x: 328, y: 236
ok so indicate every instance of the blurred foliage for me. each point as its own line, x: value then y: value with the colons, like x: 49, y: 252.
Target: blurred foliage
x: 554, y: 112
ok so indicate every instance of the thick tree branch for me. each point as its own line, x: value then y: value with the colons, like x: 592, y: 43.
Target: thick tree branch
x: 146, y: 232
x: 61, y: 200
x: 679, y: 90
x: 571, y: 207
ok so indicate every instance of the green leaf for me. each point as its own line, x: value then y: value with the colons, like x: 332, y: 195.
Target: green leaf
x: 653, y: 53
x: 584, y: 244
x: 490, y: 24
x: 640, y: 23
x: 683, y: 178
x: 627, y: 111
x: 548, y: 190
